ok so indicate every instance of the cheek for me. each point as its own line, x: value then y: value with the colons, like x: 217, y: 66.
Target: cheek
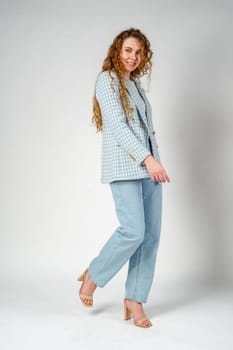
x: 123, y: 56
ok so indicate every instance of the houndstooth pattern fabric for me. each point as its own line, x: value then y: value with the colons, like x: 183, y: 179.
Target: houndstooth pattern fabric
x: 125, y: 143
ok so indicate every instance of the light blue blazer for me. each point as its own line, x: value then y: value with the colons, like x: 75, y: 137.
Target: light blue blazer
x: 125, y: 143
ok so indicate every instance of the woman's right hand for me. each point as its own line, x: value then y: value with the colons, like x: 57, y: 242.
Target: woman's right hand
x: 156, y: 170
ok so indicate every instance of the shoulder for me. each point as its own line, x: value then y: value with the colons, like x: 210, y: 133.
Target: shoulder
x: 107, y: 81
x: 107, y: 77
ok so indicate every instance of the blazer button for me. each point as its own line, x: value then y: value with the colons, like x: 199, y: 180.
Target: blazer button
x: 132, y: 157
x: 141, y: 125
x: 153, y: 133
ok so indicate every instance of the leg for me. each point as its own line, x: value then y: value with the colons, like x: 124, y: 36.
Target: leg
x: 142, y: 262
x: 127, y: 237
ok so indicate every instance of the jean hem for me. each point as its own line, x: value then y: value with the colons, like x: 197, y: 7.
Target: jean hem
x: 136, y: 299
x: 94, y: 280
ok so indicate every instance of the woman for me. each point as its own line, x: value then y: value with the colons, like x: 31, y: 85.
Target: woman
x: 131, y: 165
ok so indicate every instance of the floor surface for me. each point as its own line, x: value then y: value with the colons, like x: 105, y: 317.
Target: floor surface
x: 52, y: 317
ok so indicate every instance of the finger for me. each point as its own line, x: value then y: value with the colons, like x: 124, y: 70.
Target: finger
x: 167, y: 178
x: 154, y: 177
x: 161, y: 177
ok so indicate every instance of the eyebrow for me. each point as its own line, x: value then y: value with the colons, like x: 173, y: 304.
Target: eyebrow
x: 128, y: 47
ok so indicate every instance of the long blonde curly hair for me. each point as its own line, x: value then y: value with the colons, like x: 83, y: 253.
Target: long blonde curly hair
x: 112, y: 61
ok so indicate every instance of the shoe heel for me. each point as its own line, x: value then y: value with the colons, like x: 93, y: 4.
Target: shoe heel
x: 127, y: 312
x: 82, y: 276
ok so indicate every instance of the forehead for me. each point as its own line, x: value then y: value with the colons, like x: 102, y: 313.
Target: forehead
x: 133, y: 43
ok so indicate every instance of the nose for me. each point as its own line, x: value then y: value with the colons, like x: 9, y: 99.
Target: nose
x: 133, y: 56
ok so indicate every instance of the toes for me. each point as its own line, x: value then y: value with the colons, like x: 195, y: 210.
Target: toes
x: 87, y: 302
x: 146, y: 324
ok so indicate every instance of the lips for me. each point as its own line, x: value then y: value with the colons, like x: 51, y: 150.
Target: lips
x: 131, y: 63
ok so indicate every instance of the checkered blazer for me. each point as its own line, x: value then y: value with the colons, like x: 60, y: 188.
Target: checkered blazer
x: 125, y: 143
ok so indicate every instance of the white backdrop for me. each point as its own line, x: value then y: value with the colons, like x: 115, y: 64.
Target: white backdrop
x: 55, y: 213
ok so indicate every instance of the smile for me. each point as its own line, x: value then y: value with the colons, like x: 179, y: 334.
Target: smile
x: 131, y: 63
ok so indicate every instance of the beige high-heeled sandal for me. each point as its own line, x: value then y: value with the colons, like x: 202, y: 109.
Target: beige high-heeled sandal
x: 81, y: 295
x: 127, y: 316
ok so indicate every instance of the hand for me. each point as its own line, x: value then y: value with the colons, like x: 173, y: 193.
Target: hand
x: 156, y: 170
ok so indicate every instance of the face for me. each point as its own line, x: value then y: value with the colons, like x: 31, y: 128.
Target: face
x: 130, y: 54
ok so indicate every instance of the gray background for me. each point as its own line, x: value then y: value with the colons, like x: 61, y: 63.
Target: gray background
x: 55, y: 213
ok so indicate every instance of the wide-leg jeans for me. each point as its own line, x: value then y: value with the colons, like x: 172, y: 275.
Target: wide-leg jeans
x: 138, y: 205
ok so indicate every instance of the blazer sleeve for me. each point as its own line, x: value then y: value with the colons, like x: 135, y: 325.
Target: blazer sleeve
x: 114, y: 118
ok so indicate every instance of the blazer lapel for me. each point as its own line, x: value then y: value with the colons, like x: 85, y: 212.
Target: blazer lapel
x: 147, y: 104
x: 141, y: 107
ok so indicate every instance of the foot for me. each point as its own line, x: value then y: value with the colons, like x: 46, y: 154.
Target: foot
x: 138, y: 312
x: 88, y: 287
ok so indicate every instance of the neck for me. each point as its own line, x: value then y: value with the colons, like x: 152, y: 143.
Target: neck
x: 128, y: 76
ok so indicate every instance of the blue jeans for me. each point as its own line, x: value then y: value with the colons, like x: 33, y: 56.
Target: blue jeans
x: 138, y: 205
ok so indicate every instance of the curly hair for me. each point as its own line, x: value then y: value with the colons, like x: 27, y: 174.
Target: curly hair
x: 113, y: 61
